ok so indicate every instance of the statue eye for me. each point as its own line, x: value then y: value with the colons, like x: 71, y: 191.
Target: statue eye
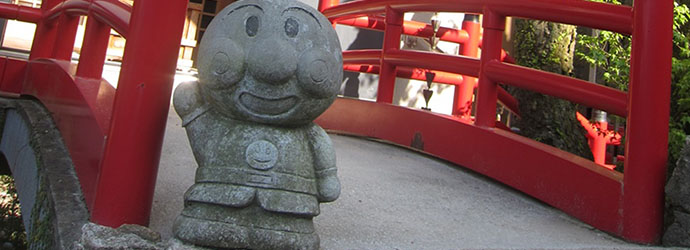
x: 291, y: 27
x: 252, y: 25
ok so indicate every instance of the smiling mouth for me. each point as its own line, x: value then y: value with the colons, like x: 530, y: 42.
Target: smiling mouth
x: 262, y: 161
x: 267, y: 106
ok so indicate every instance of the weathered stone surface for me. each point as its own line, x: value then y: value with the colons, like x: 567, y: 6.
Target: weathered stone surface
x: 678, y: 233
x: 143, y: 232
x: 678, y: 186
x: 678, y: 201
x: 175, y: 244
x: 267, y: 69
x: 58, y: 210
x: 97, y: 237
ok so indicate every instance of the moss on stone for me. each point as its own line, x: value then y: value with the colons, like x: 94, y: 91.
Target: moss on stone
x: 42, y: 235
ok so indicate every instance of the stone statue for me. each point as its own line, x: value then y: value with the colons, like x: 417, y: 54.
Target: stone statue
x: 267, y: 69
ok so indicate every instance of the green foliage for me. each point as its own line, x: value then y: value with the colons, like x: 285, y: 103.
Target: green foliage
x: 680, y: 88
x: 681, y: 17
x: 610, y: 52
x: 11, y: 226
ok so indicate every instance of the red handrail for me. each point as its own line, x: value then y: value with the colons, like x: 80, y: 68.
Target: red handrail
x: 577, y: 186
x: 602, y: 16
x: 411, y: 28
x: 113, y: 13
x: 21, y: 13
x: 575, y: 90
x: 440, y: 76
x: 428, y: 60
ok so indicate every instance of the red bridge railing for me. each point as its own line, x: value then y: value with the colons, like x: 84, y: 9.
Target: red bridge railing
x: 629, y: 205
x: 114, y: 136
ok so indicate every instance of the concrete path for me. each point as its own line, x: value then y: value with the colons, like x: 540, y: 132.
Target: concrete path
x: 395, y: 198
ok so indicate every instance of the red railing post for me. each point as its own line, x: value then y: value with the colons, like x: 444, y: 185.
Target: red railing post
x: 462, y: 103
x: 44, y: 37
x: 96, y: 37
x: 129, y: 167
x: 325, y: 4
x: 391, y: 42
x: 648, y: 117
x: 487, y: 93
x: 67, y: 30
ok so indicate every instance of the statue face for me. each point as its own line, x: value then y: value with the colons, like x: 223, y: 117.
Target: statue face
x: 270, y: 61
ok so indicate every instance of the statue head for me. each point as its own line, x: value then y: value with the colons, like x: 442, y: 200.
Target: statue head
x: 270, y: 61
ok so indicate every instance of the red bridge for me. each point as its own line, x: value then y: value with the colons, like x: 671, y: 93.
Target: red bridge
x: 114, y: 136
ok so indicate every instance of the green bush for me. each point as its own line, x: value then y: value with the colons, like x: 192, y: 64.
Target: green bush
x: 680, y: 89
x: 610, y: 52
x: 11, y: 226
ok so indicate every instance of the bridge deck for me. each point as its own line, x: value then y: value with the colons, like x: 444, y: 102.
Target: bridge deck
x: 395, y: 198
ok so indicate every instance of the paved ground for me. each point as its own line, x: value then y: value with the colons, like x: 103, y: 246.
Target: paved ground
x: 395, y: 198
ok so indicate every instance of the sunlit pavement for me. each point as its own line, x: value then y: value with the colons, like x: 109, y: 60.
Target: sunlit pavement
x: 395, y: 198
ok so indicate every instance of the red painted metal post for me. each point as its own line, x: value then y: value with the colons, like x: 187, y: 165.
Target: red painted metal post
x: 487, y: 93
x: 67, y: 30
x: 599, y: 136
x: 93, y: 50
x: 462, y: 103
x: 648, y: 116
x: 391, y: 42
x: 130, y: 162
x: 325, y: 4
x: 44, y: 38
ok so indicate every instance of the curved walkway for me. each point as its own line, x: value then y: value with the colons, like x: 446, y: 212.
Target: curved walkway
x: 396, y: 198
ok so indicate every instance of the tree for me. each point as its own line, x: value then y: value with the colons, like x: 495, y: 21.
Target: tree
x: 550, y: 47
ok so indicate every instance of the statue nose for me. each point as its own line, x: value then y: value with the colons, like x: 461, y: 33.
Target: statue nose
x: 272, y: 61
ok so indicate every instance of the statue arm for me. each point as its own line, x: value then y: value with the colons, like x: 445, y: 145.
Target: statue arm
x: 188, y: 102
x: 324, y: 164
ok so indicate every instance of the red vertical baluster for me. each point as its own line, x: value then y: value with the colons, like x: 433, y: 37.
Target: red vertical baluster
x: 93, y: 50
x: 44, y: 38
x: 391, y: 42
x: 67, y: 30
x: 648, y: 116
x: 494, y: 25
x: 462, y: 104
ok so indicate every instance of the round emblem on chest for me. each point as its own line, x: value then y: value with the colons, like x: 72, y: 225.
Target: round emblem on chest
x: 262, y: 155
